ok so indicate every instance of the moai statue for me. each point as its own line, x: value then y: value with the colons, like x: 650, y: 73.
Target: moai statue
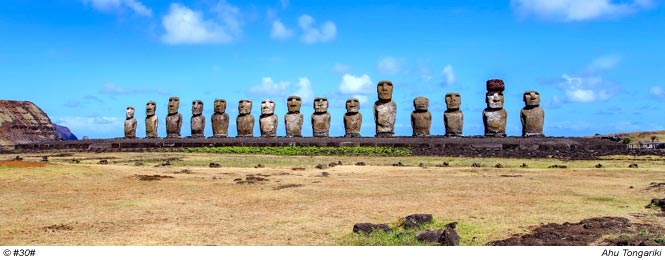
x: 353, y: 119
x: 198, y: 122
x: 268, y: 119
x: 220, y: 119
x: 245, y: 120
x: 421, y: 118
x: 532, y: 115
x: 130, y: 123
x: 173, y: 119
x: 321, y: 118
x: 293, y: 119
x: 385, y: 110
x: 453, y: 117
x: 151, y: 120
x: 495, y: 116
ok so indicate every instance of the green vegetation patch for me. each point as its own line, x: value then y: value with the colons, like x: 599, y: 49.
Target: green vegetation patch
x: 304, y: 150
x: 407, y: 237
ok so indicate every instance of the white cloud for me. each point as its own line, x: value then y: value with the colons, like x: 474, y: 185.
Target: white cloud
x: 356, y: 85
x: 363, y: 99
x: 186, y: 26
x: 578, y: 10
x: 658, y: 91
x: 305, y: 91
x: 115, y: 6
x: 585, y: 89
x: 448, y: 75
x: 389, y: 65
x: 341, y: 69
x: 94, y: 126
x: 279, y: 31
x: 268, y: 86
x: 311, y: 34
x: 604, y: 63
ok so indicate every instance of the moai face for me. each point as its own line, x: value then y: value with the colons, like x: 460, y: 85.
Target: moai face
x: 197, y: 107
x: 267, y: 107
x: 352, y: 105
x: 130, y: 112
x: 385, y: 90
x: 421, y: 104
x: 174, y: 104
x: 150, y: 108
x: 294, y: 103
x: 532, y: 98
x: 245, y: 107
x: 220, y: 106
x: 320, y: 105
x: 494, y: 101
x: 453, y: 100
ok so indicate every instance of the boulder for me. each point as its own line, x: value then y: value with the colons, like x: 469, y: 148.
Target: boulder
x: 367, y: 228
x: 415, y: 220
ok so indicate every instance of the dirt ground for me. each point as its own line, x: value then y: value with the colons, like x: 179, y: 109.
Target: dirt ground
x: 177, y: 199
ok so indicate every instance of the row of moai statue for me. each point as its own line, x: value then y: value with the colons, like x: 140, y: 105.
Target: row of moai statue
x: 385, y: 110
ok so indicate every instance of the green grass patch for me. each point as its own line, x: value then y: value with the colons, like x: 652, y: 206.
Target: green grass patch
x: 305, y: 150
x: 407, y: 237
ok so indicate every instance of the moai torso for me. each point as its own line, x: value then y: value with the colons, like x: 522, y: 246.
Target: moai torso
x: 268, y: 119
x: 174, y: 119
x: 293, y: 120
x: 151, y: 121
x: 532, y: 115
x: 385, y: 110
x: 130, y: 123
x: 245, y: 120
x: 320, y: 118
x: 220, y: 119
x: 453, y: 117
x: 421, y: 118
x: 198, y: 121
x: 353, y: 119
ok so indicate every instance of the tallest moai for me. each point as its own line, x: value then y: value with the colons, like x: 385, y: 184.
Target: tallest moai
x: 495, y: 116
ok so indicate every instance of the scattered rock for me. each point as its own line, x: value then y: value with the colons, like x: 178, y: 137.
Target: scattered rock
x: 429, y: 236
x: 103, y: 162
x: 599, y: 166
x: 367, y: 228
x: 320, y: 166
x: 633, y: 165
x: 524, y: 165
x: 44, y: 158
x: 339, y: 163
x: 657, y: 203
x: 498, y: 165
x: 18, y: 158
x: 155, y: 177
x: 286, y: 186
x: 139, y: 163
x: 658, y: 186
x: 510, y: 175
x: 298, y: 168
x: 259, y: 166
x: 61, y: 227
x: 449, y: 236
x: 415, y: 220
x: 557, y: 166
x: 444, y: 164
x: 475, y: 165
x: 361, y: 164
x: 250, y: 179
x: 422, y: 165
x: 332, y: 164
x: 398, y: 164
x: 214, y: 165
x: 164, y: 163
x: 76, y: 161
x: 325, y: 174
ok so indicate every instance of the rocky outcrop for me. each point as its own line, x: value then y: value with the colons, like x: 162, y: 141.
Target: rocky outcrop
x: 64, y: 133
x: 23, y: 122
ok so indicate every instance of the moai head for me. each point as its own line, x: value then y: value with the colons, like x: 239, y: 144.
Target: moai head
x: 267, y: 107
x: 129, y: 113
x: 150, y: 108
x: 453, y: 100
x: 220, y: 106
x: 197, y: 107
x: 494, y: 100
x: 320, y: 105
x: 531, y: 98
x: 421, y: 104
x: 245, y: 107
x: 385, y: 90
x: 174, y: 104
x: 294, y: 103
x: 352, y: 105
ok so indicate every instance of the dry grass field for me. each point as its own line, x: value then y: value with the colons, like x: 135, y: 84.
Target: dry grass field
x: 62, y: 202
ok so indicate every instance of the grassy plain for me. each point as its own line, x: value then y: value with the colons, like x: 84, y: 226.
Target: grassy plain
x: 66, y: 203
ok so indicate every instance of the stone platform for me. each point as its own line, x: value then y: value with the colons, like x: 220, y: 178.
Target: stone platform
x: 535, y: 147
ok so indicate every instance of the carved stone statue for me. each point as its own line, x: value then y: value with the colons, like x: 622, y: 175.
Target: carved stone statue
x: 268, y: 119
x: 245, y: 120
x: 495, y: 116
x: 173, y: 119
x: 198, y: 122
x: 130, y: 123
x: 151, y: 120
x: 453, y: 117
x: 532, y: 115
x: 421, y: 118
x: 293, y: 119
x: 220, y: 119
x: 353, y: 119
x: 321, y: 118
x: 385, y: 110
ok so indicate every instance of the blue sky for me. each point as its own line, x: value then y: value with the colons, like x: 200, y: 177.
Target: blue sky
x: 598, y: 64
